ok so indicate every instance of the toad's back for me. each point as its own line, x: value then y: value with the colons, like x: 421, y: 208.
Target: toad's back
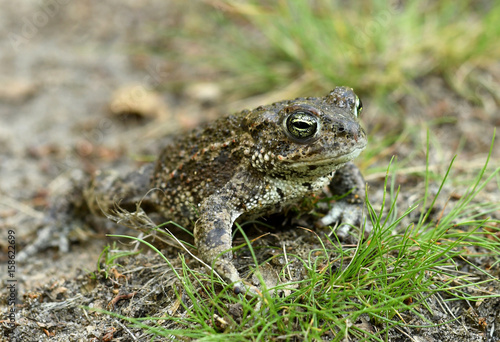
x: 196, y: 165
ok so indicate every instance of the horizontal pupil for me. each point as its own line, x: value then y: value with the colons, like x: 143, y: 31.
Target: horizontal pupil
x: 302, y: 124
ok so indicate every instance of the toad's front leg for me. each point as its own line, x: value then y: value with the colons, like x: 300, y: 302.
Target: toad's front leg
x: 348, y: 210
x: 213, y: 237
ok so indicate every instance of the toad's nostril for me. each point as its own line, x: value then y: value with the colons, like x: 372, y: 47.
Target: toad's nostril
x: 347, y: 129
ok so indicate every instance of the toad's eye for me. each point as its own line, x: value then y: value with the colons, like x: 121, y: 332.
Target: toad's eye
x: 358, y: 107
x: 302, y: 125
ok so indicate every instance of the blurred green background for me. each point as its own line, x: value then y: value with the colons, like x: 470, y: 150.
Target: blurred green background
x: 381, y: 48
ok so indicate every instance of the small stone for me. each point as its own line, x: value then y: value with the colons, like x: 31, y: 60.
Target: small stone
x: 17, y: 90
x: 138, y: 100
x: 204, y: 92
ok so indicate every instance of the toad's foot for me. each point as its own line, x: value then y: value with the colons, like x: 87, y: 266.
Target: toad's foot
x: 52, y: 235
x: 349, y: 215
x: 226, y: 268
x: 58, y: 224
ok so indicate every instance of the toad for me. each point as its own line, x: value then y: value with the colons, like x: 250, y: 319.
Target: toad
x: 250, y: 164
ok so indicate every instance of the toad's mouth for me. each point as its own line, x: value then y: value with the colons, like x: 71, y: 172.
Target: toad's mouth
x: 327, y: 161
